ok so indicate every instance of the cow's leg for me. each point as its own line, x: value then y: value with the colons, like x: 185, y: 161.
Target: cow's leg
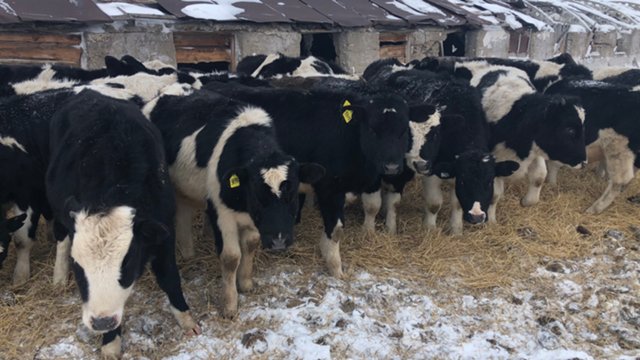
x: 184, y: 222
x: 536, y: 173
x: 431, y: 188
x: 331, y: 208
x: 112, y: 344
x: 249, y: 243
x: 552, y: 172
x: 456, y: 214
x: 371, y: 202
x: 229, y: 261
x: 498, y: 190
x: 620, y: 169
x: 392, y: 199
x: 24, y: 239
x: 61, y: 267
x: 165, y: 269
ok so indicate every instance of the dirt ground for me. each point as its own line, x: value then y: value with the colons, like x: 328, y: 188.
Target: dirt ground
x: 532, y: 287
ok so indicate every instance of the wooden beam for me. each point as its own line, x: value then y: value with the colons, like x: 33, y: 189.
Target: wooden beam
x: 203, y: 55
x: 393, y: 37
x: 199, y: 39
x: 393, y: 51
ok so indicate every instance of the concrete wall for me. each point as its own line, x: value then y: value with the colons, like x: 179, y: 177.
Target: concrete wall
x: 143, y: 45
x: 488, y: 41
x: 267, y: 42
x: 356, y: 49
x: 542, y: 45
x: 425, y: 42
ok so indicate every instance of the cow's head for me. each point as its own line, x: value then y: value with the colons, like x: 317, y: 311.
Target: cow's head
x: 383, y: 123
x: 425, y: 143
x: 108, y: 250
x: 268, y: 189
x: 474, y: 172
x: 8, y: 226
x: 561, y: 131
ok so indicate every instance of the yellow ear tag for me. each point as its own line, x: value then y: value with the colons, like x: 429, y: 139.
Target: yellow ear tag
x: 234, y: 181
x: 347, y: 115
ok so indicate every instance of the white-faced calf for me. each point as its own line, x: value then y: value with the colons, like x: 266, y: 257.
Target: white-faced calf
x: 224, y: 153
x: 114, y: 207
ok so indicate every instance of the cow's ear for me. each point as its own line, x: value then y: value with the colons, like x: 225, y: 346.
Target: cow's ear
x: 311, y: 173
x: 114, y: 66
x: 16, y: 222
x: 72, y: 207
x: 506, y: 168
x: 444, y: 170
x: 233, y: 187
x: 420, y: 113
x: 151, y: 232
x: 134, y: 64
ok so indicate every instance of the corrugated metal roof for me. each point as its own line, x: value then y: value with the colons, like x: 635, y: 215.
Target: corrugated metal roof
x: 537, y: 14
x: 56, y: 10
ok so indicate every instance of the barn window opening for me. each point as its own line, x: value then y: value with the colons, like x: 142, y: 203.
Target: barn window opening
x: 203, y: 51
x: 454, y: 44
x: 319, y: 45
x: 393, y: 45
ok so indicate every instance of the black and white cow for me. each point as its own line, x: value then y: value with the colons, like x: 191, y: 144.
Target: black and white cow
x: 113, y: 203
x: 618, y: 75
x: 541, y: 73
x: 463, y: 153
x: 224, y: 152
x: 274, y: 65
x: 355, y: 136
x: 24, y: 142
x: 7, y: 227
x: 612, y: 132
x: 526, y: 126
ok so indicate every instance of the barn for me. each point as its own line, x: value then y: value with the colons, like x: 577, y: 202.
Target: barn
x: 351, y: 33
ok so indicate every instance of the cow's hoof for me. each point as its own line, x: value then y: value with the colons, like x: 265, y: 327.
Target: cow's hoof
x: 229, y: 313
x: 528, y: 202
x: 336, y: 272
x: 193, y: 331
x: 112, y: 350
x: 592, y: 211
x: 245, y: 286
x: 20, y: 278
x: 60, y: 280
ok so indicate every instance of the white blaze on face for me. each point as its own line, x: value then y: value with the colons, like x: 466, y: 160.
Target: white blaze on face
x: 268, y: 60
x: 386, y: 110
x: 419, y: 133
x: 274, y: 177
x: 476, y: 209
x: 44, y: 81
x: 11, y: 142
x: 581, y: 113
x: 100, y: 243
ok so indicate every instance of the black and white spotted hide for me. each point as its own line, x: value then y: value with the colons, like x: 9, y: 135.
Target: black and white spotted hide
x: 7, y: 227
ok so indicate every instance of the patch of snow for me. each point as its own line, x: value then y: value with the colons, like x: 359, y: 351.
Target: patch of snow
x: 64, y: 349
x: 575, y: 28
x: 7, y: 8
x: 222, y: 10
x: 121, y: 9
x: 419, y: 5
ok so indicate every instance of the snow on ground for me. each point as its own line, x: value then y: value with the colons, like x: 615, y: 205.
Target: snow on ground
x: 583, y: 309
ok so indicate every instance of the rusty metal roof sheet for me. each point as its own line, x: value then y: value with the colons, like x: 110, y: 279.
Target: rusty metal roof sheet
x: 56, y: 10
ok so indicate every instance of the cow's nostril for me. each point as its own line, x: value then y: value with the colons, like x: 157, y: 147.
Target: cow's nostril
x: 104, y: 323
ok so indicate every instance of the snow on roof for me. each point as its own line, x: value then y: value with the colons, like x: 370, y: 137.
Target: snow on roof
x: 540, y: 15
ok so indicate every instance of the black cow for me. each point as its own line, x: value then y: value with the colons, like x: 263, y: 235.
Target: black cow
x: 24, y: 142
x: 612, y: 132
x: 618, y: 75
x: 464, y: 152
x: 114, y: 206
x: 527, y: 126
x: 355, y: 136
x: 272, y: 65
x: 541, y: 73
x: 223, y: 152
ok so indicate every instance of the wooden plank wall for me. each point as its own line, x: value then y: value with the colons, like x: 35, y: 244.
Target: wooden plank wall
x: 194, y: 47
x: 40, y: 48
x: 393, y: 45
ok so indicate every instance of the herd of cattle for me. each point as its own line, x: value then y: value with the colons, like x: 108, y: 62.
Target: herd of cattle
x: 118, y: 159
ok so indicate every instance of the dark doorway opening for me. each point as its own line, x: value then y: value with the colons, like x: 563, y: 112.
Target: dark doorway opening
x: 319, y: 45
x: 454, y: 44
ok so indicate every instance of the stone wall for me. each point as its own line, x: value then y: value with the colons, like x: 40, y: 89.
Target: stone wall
x: 356, y: 49
x: 425, y: 42
x: 267, y: 42
x: 490, y: 41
